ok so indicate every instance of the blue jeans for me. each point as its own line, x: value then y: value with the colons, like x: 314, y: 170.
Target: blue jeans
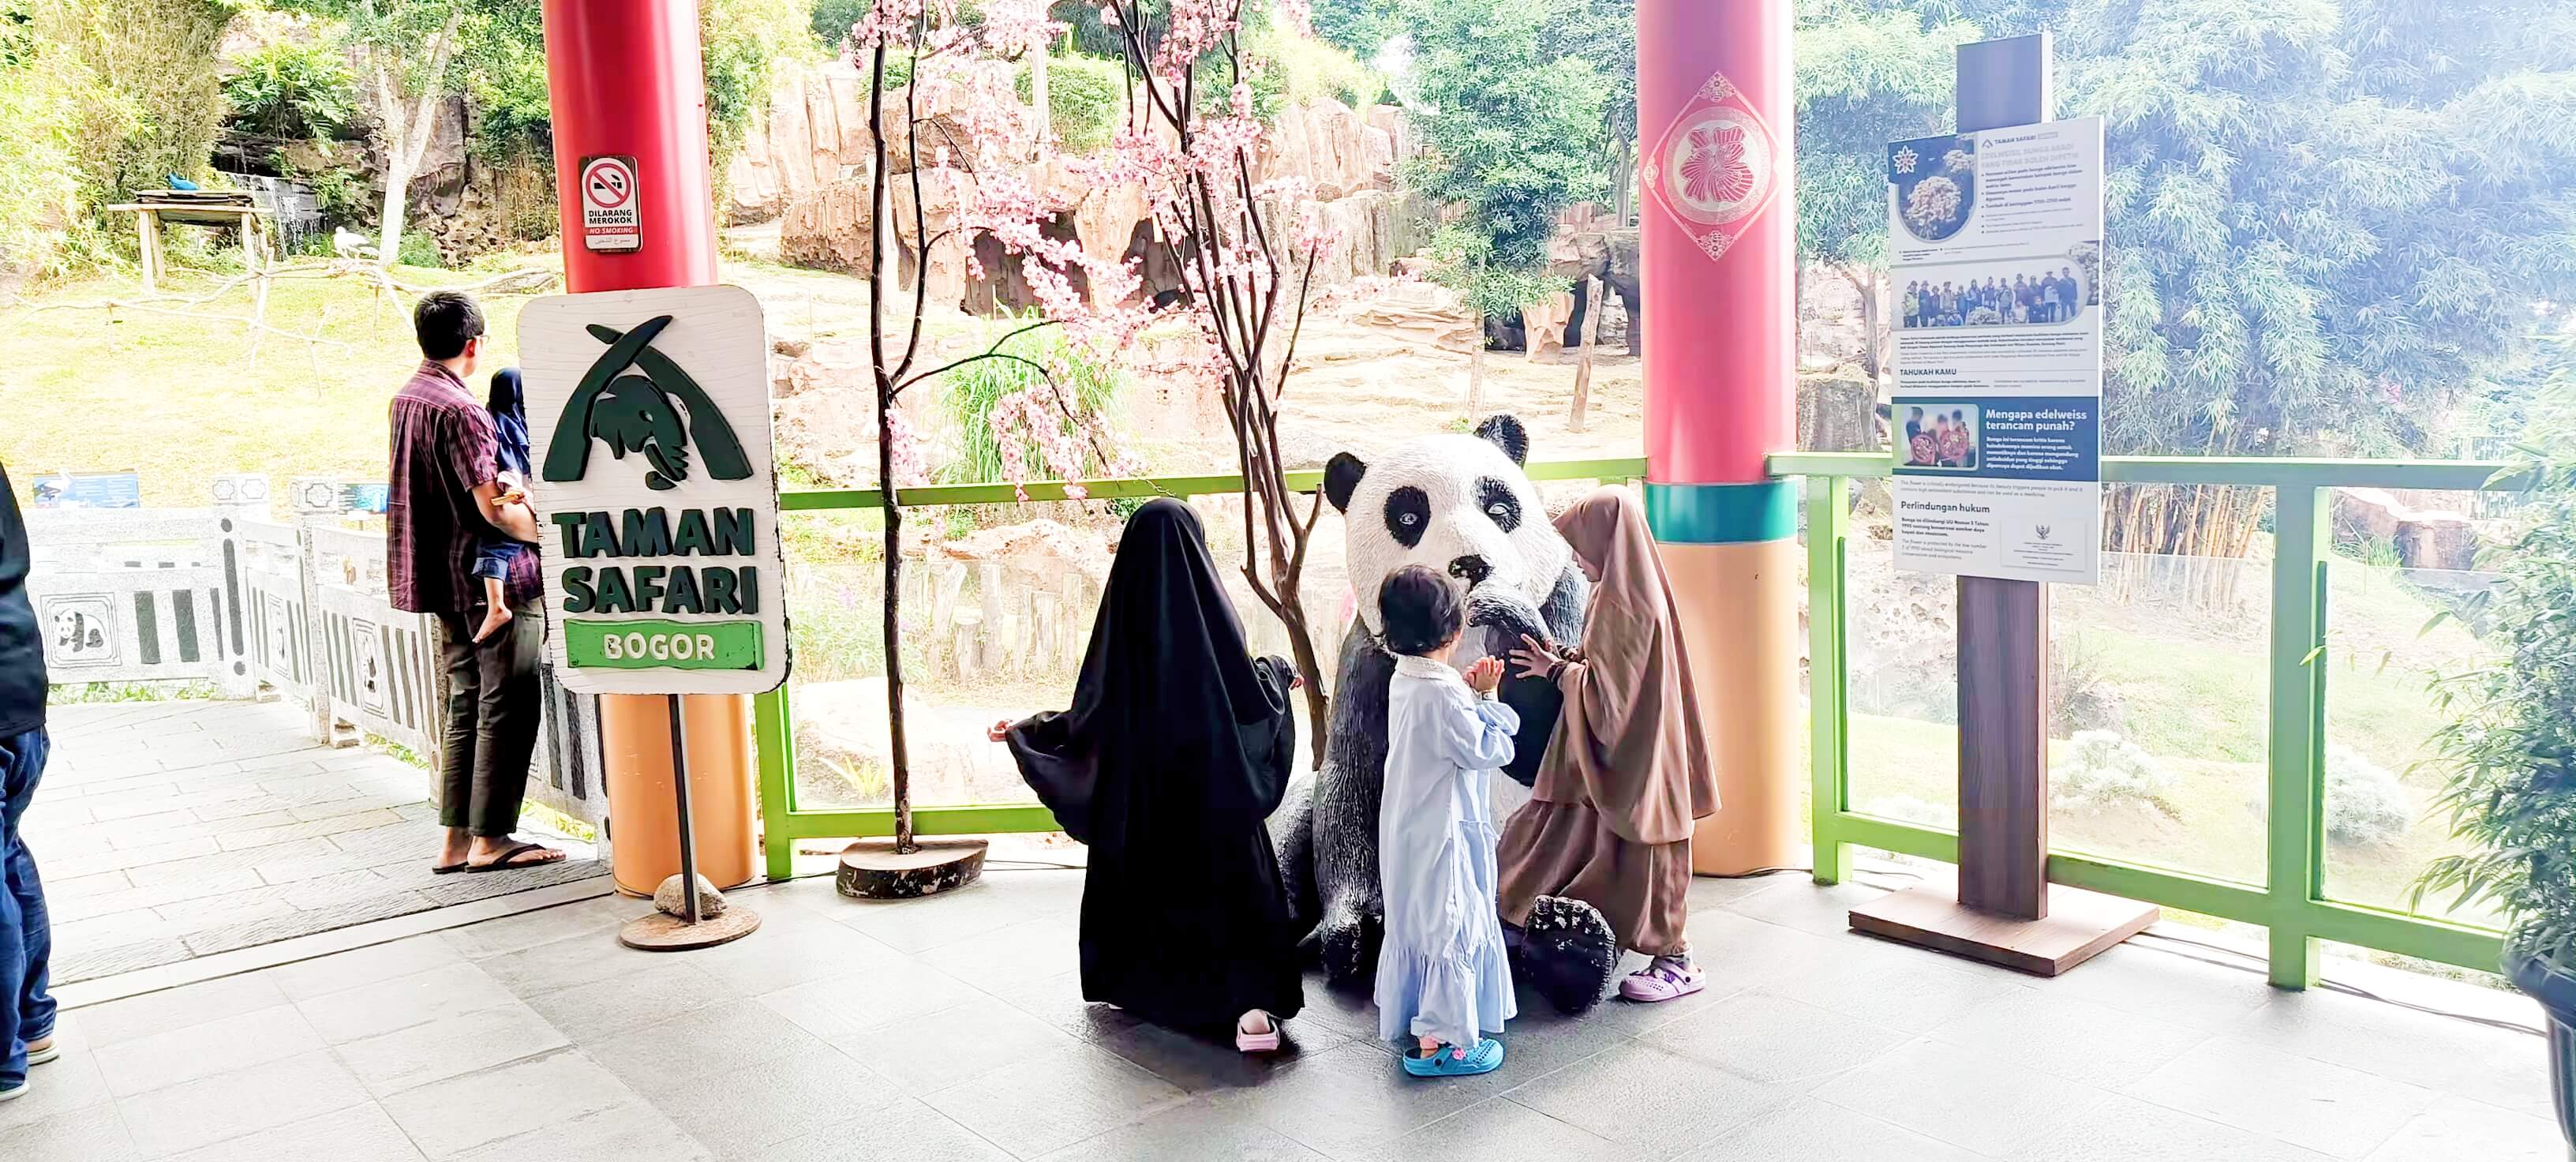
x: 26, y: 937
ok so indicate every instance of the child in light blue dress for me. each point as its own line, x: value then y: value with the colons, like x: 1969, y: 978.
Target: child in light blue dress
x: 1443, y: 979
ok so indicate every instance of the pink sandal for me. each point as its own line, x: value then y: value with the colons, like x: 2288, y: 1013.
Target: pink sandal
x: 1667, y: 978
x: 1263, y: 1042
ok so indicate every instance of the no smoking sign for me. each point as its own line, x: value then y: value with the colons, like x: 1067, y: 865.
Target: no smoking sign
x: 610, y: 216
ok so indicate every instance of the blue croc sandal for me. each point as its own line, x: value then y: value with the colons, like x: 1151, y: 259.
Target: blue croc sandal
x: 1452, y: 1061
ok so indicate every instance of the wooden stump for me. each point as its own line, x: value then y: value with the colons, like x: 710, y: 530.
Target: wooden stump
x: 872, y: 869
x: 663, y: 932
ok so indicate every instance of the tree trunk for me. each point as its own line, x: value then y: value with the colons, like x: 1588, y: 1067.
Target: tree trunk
x: 1476, y: 368
x: 898, y: 762
x: 1865, y: 281
x: 1595, y: 289
x: 390, y: 229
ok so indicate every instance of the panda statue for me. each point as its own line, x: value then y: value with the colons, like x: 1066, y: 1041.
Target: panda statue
x: 1460, y: 504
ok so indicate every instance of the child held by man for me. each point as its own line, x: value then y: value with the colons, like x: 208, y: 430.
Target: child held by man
x: 493, y: 552
x: 1443, y: 978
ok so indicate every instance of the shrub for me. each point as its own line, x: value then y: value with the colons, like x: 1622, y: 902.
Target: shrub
x: 292, y: 91
x: 2364, y: 803
x: 971, y: 392
x: 2510, y: 747
x: 1086, y: 99
x: 2102, y: 769
x: 1298, y: 70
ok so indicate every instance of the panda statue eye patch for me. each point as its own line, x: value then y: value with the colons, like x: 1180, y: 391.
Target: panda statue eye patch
x: 1408, y: 515
x: 1499, y: 503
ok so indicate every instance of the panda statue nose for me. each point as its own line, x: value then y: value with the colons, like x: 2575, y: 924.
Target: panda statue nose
x: 1471, y: 568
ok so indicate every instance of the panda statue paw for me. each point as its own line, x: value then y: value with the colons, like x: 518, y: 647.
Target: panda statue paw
x: 1349, y: 947
x: 1567, y: 953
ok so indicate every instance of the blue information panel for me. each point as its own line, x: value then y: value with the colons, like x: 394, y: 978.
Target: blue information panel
x: 89, y: 490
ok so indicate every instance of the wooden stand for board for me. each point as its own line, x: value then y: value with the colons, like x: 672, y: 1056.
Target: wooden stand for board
x: 659, y: 931
x: 2005, y: 912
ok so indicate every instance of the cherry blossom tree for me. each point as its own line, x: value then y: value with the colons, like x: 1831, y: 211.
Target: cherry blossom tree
x: 981, y: 149
x: 1246, y: 248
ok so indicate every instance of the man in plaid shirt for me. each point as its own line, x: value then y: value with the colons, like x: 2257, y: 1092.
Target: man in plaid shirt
x: 446, y: 496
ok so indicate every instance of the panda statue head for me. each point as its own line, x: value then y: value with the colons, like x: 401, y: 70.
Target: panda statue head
x: 1460, y: 505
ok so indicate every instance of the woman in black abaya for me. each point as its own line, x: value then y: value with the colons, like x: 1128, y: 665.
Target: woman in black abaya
x: 1177, y: 747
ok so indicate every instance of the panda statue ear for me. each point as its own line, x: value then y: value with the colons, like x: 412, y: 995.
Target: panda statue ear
x: 1341, y: 478
x: 1504, y: 431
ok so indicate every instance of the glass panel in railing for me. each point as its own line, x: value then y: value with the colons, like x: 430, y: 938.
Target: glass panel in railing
x: 2157, y: 727
x: 2403, y: 612
x: 1902, y: 640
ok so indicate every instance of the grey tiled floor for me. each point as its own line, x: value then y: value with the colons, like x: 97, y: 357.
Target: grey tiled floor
x: 171, y: 830
x: 952, y: 1030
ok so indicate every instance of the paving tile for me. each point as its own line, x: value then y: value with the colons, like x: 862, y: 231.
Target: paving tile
x: 246, y: 1101
x: 626, y: 1133
x: 648, y: 996
x: 1773, y: 1039
x: 178, y: 1008
x: 1046, y: 1103
x: 336, y: 824
x: 731, y: 1037
x: 450, y: 1117
x: 919, y: 925
x: 926, y: 1054
x: 61, y: 890
x: 299, y: 868
x: 323, y: 975
x: 2324, y: 1107
x: 1807, y: 905
x: 577, y: 959
x: 128, y: 861
x: 926, y: 1134
x: 1808, y: 1130
x: 2125, y: 1129
x: 433, y: 994
x: 105, y: 903
x: 1021, y: 953
x: 203, y: 857
x: 360, y: 1131
x: 792, y: 955
x: 304, y: 922
x: 74, y: 963
x: 2071, y: 1038
x: 1969, y: 1099
x: 1499, y: 1130
x: 546, y: 925
x: 442, y: 1049
x: 2166, y: 985
x: 373, y: 806
x: 95, y: 1134
x: 72, y: 1083
x: 1192, y: 1132
x: 460, y: 889
x: 2457, y: 1128
x: 1347, y: 1097
x: 1647, y: 1098
x: 204, y: 1050
x: 837, y: 1007
x: 739, y: 1113
x: 249, y: 904
x: 1899, y: 987
x: 2479, y: 1062
x: 262, y: 805
x: 1207, y: 1062
x: 1058, y: 1001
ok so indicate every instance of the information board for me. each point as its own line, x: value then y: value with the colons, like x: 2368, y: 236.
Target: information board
x: 1995, y: 240
x: 657, y: 505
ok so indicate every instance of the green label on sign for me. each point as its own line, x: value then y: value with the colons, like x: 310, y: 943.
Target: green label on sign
x: 663, y: 645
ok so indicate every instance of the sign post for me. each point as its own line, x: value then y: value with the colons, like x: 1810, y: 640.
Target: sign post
x: 648, y: 413
x: 1996, y: 234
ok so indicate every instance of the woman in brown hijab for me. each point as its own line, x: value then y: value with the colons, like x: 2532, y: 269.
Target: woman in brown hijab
x: 1627, y: 771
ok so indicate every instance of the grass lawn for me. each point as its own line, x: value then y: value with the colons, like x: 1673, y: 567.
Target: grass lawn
x: 2198, y: 703
x: 180, y: 400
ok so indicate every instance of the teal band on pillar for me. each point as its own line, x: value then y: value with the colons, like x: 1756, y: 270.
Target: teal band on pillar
x: 1722, y: 514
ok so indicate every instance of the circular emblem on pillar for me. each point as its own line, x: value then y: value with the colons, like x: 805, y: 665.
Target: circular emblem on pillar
x: 1721, y: 166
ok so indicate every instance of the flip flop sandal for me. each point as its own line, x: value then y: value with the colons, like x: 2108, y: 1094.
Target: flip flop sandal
x: 447, y: 869
x: 1452, y: 1061
x: 42, y: 1051
x: 502, y: 862
x: 1249, y: 1042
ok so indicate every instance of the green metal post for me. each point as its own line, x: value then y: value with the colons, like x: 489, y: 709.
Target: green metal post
x: 773, y: 730
x: 1828, y: 752
x: 2296, y: 804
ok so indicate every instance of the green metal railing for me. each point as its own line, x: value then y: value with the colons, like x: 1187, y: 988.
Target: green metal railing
x: 2292, y: 904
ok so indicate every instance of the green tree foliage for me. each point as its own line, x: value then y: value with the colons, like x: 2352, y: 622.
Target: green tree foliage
x: 1867, y: 75
x: 1086, y: 97
x: 124, y: 87
x: 745, y: 39
x: 1510, y: 138
x: 2328, y: 218
x: 292, y: 91
x: 1603, y: 33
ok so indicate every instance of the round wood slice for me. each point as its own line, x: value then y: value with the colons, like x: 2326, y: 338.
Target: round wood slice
x: 872, y: 869
x: 660, y: 932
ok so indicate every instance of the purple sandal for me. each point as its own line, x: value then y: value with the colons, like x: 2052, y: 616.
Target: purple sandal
x: 1667, y: 978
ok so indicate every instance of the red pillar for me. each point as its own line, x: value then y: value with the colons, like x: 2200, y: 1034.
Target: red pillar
x: 1718, y: 252
x: 627, y: 78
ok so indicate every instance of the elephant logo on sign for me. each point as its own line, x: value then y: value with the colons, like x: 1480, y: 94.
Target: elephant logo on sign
x: 656, y: 409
